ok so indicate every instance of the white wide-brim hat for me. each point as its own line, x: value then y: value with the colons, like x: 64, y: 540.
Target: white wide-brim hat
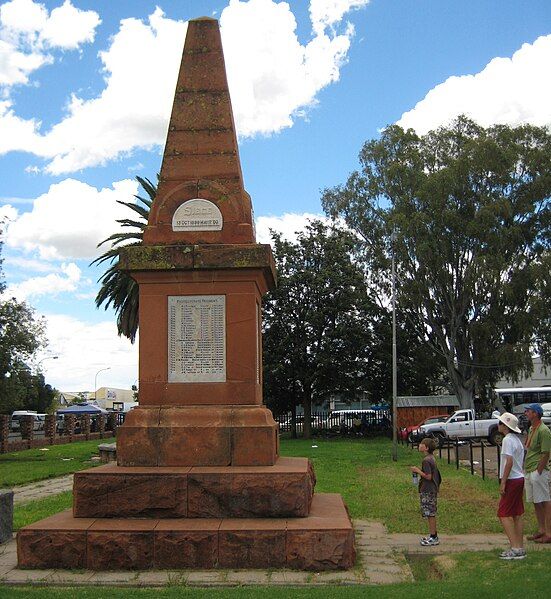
x: 510, y: 421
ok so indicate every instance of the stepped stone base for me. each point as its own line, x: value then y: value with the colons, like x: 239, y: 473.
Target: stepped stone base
x: 322, y: 541
x: 279, y: 491
x: 198, y: 436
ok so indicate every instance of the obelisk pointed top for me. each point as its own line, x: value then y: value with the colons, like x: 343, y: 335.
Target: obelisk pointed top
x: 201, y: 158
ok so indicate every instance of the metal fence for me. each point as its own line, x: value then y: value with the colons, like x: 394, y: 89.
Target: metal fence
x: 56, y: 430
x: 339, y: 423
x: 477, y: 454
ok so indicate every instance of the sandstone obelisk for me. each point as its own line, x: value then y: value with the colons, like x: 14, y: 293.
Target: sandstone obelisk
x: 198, y: 483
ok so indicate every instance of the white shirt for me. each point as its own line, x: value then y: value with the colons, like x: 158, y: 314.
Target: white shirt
x: 512, y: 446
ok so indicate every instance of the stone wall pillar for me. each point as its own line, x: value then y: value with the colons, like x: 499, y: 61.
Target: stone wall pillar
x: 86, y: 426
x: 112, y: 422
x: 27, y: 429
x: 50, y: 428
x: 70, y: 426
x: 6, y: 515
x: 4, y: 432
x: 101, y: 426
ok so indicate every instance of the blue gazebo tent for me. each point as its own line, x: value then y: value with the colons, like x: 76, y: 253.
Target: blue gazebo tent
x: 80, y: 409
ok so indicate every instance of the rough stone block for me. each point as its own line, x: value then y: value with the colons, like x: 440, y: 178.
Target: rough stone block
x: 111, y: 491
x: 252, y: 543
x: 186, y: 544
x: 6, y: 515
x: 324, y: 541
x: 55, y: 542
x: 51, y: 549
x: 120, y: 545
x: 282, y: 490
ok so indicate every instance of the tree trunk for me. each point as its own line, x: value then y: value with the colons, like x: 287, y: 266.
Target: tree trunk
x: 465, y: 396
x: 307, y: 425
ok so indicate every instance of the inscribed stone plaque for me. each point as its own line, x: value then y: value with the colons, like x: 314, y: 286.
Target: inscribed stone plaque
x: 197, y: 215
x: 196, y: 338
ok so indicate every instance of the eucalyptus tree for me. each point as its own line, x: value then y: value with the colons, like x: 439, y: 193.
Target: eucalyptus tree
x: 466, y: 212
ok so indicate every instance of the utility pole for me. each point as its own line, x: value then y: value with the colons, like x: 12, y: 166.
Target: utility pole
x: 394, y: 358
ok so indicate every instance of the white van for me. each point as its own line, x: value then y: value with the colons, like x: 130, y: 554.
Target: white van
x: 39, y: 420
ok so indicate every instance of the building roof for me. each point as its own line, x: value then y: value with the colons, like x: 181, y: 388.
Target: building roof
x: 420, y: 401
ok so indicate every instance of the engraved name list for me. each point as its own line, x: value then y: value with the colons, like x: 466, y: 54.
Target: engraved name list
x: 196, y: 339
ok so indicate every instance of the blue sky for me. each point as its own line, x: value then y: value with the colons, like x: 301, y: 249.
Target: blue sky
x: 85, y: 95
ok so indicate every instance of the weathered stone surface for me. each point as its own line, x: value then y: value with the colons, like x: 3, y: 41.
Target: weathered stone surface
x: 198, y: 436
x: 114, y: 550
x: 320, y: 550
x: 55, y: 542
x: 322, y: 542
x: 6, y: 515
x: 284, y: 490
x: 279, y: 491
x: 252, y: 544
x: 51, y: 549
x: 187, y: 544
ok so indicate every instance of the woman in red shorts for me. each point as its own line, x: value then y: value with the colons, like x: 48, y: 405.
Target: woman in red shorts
x: 511, y: 506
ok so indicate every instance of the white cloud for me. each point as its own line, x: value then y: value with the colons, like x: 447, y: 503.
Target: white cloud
x: 511, y: 91
x: 28, y: 32
x: 289, y: 224
x: 83, y: 348
x: 70, y: 219
x: 325, y: 13
x: 28, y: 264
x: 52, y: 284
x: 273, y: 78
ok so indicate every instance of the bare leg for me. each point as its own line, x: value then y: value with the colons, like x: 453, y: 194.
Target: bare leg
x: 519, y: 530
x: 540, y: 515
x: 547, y: 512
x: 508, y: 524
x: 432, y: 525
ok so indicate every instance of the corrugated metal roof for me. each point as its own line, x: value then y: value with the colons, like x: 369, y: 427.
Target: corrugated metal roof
x: 419, y: 401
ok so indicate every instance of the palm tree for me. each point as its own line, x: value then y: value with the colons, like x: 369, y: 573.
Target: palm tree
x: 118, y: 288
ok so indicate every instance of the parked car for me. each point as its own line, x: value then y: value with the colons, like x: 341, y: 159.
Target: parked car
x: 463, y: 424
x: 409, y: 432
x: 286, y: 424
x: 17, y: 416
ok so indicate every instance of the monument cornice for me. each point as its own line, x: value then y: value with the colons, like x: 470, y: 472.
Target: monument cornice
x: 144, y: 257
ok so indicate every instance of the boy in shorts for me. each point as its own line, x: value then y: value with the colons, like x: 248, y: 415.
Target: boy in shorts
x: 511, y: 474
x: 428, y: 489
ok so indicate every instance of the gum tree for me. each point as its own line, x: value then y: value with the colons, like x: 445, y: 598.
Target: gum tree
x: 466, y: 210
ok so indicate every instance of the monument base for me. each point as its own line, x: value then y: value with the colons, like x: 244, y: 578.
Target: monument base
x: 198, y: 436
x: 279, y: 491
x: 322, y: 541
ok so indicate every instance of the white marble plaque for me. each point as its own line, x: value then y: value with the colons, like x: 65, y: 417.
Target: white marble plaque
x: 197, y: 215
x: 196, y: 338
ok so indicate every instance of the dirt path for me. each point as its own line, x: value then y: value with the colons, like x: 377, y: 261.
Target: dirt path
x: 42, y: 488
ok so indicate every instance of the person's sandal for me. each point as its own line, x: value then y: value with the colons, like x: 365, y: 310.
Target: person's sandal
x: 535, y: 536
x: 543, y: 539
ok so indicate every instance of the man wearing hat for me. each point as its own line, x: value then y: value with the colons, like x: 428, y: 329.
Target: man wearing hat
x: 536, y: 469
x: 511, y: 475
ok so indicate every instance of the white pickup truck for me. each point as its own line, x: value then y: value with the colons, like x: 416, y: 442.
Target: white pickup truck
x: 463, y: 425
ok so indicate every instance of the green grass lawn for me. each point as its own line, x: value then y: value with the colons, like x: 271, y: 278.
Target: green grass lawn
x: 22, y: 467
x: 375, y: 487
x: 481, y: 575
x: 372, y: 485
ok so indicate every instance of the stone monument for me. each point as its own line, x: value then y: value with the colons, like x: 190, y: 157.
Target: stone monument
x: 198, y: 481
